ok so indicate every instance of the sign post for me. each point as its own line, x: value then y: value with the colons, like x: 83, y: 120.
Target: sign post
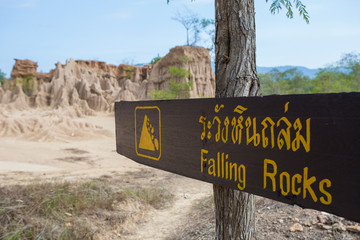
x: 297, y: 149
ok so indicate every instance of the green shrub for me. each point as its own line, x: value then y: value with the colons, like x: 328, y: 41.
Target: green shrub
x: 2, y: 76
x: 176, y: 91
x: 179, y: 72
x: 184, y: 59
x: 129, y: 71
x: 155, y: 60
x: 27, y: 84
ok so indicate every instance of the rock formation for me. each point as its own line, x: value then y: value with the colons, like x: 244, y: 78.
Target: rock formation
x: 194, y: 59
x: 92, y: 86
x: 24, y: 68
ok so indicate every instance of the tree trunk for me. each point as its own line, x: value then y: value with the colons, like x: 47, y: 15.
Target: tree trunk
x: 236, y: 76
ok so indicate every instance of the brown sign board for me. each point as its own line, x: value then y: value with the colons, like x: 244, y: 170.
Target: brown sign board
x: 297, y: 149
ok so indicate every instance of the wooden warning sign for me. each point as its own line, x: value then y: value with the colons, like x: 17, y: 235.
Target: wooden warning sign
x: 297, y: 149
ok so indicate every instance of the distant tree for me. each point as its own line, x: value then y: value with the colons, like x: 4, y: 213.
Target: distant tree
x: 190, y: 21
x: 199, y: 31
x: 294, y: 82
x: 2, y: 76
x: 268, y: 85
x: 207, y: 26
x: 351, y: 62
x: 340, y: 77
x: 332, y: 79
x: 155, y: 59
x: 290, y: 81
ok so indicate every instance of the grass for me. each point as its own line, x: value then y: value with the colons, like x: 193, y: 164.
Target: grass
x: 54, y: 210
x: 155, y: 197
x: 202, y: 224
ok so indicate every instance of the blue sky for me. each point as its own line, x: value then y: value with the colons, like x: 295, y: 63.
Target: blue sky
x: 124, y: 31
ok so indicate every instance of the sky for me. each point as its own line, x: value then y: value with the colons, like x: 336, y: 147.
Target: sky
x: 136, y: 31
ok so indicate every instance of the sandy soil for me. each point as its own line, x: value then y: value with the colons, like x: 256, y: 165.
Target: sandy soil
x: 40, y: 155
x: 22, y: 159
x: 53, y: 144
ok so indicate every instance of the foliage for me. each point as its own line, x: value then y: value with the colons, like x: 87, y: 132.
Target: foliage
x: 277, y: 5
x: 195, y: 26
x: 184, y: 59
x: 179, y: 72
x: 351, y: 62
x: 155, y: 59
x: 129, y: 71
x: 27, y: 84
x: 199, y: 31
x: 2, y: 76
x: 343, y: 77
x: 176, y: 91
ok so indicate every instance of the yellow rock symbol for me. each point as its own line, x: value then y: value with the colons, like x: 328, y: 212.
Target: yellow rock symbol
x: 147, y: 137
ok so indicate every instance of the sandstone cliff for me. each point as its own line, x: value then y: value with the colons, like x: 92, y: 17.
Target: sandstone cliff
x: 90, y: 86
x: 194, y: 59
x: 23, y: 68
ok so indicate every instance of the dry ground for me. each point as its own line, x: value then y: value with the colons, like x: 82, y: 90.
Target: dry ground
x: 78, y: 156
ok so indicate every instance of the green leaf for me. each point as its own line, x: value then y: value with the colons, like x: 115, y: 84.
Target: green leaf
x: 278, y: 5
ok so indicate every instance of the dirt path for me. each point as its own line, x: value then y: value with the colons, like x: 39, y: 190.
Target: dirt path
x: 162, y: 223
x: 92, y: 156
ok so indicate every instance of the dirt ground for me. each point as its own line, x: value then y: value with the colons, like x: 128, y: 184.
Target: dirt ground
x: 90, y: 153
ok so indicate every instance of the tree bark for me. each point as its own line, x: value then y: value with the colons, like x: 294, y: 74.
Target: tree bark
x: 236, y: 76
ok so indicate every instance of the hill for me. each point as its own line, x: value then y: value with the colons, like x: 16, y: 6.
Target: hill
x: 311, y: 73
